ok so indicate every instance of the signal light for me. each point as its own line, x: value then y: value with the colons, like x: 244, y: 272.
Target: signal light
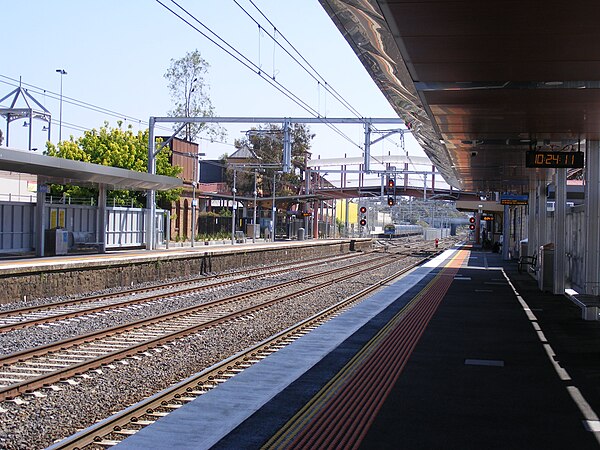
x: 390, y: 201
x: 471, y: 227
x: 391, y: 183
x: 472, y: 220
x: 363, y: 222
x: 363, y: 209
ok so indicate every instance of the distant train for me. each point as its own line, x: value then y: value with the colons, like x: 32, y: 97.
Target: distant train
x: 394, y: 230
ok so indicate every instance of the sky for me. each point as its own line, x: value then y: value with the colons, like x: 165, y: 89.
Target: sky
x: 115, y: 54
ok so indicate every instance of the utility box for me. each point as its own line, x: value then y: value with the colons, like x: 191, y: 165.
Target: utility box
x: 300, y: 234
x: 545, y: 262
x: 56, y: 242
x: 252, y: 229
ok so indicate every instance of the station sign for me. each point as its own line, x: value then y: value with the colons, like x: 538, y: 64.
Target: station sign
x: 554, y: 160
x: 514, y: 199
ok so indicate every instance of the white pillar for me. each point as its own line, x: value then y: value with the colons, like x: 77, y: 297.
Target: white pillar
x: 506, y: 233
x: 101, y: 219
x: 541, y: 219
x: 560, y: 207
x: 592, y: 218
x: 151, y: 195
x: 532, y: 220
x: 40, y: 219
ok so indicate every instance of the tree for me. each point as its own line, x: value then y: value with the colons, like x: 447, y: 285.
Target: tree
x: 189, y: 93
x: 114, y: 147
x: 267, y: 144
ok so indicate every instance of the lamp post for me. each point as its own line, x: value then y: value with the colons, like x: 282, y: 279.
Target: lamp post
x: 273, y: 218
x: 234, y: 207
x: 254, y: 211
x: 62, y: 72
x: 193, y: 211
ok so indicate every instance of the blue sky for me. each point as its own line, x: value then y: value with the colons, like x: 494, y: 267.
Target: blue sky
x: 116, y: 52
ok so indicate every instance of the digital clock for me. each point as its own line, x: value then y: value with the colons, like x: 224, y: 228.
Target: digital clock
x: 549, y: 160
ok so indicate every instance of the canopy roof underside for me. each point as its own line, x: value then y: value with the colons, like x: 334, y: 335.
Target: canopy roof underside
x: 480, y: 83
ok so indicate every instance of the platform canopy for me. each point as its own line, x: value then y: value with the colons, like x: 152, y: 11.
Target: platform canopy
x: 67, y: 171
x: 480, y: 83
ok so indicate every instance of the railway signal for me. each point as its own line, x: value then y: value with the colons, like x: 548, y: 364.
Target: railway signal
x: 391, y: 201
x: 471, y: 223
x: 363, y: 219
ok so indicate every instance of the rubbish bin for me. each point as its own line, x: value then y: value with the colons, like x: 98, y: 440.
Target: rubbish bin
x: 523, y: 247
x: 546, y: 267
x: 56, y: 242
x: 300, y: 234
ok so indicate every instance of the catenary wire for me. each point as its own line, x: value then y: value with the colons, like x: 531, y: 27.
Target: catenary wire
x: 81, y: 104
x: 253, y: 67
x: 315, y: 74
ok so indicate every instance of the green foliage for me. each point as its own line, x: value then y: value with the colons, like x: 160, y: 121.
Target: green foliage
x: 267, y: 144
x: 114, y: 147
x: 225, y: 213
x: 208, y: 214
x: 189, y: 93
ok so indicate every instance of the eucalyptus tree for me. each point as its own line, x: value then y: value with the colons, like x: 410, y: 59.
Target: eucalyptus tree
x: 189, y: 94
x: 266, y: 142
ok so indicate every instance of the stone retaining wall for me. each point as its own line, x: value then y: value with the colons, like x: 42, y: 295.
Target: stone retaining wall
x: 79, y: 278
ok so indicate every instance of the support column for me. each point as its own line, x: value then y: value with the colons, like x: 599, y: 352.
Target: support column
x: 287, y: 146
x: 367, y: 160
x: 560, y: 207
x: 532, y: 240
x: 592, y: 218
x: 40, y: 220
x: 541, y: 219
x: 150, y: 195
x: 101, y: 219
x: 506, y: 233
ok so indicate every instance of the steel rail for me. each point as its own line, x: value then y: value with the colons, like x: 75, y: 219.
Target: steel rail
x: 196, y: 385
x: 78, y: 368
x: 82, y: 300
x: 69, y: 315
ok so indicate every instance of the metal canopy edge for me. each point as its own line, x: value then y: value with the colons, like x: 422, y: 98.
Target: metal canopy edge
x: 63, y: 170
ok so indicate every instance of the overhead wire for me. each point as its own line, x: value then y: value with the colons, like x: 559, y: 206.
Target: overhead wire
x: 249, y: 64
x: 89, y: 106
x: 315, y: 73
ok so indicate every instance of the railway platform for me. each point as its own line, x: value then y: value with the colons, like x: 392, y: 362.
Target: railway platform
x: 74, y: 274
x: 461, y: 353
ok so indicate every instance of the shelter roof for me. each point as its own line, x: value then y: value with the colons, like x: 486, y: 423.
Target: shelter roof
x: 60, y: 170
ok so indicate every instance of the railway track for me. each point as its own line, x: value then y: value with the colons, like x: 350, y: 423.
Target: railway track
x: 113, y: 430
x: 30, y: 370
x: 15, y: 319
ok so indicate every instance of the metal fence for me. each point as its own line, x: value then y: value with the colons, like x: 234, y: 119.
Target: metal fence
x: 16, y: 227
x: 125, y: 227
